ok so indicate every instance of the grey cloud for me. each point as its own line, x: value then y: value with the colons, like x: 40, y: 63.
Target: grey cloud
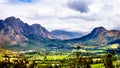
x: 80, y: 17
x: 86, y: 18
x: 79, y: 5
x: 93, y: 17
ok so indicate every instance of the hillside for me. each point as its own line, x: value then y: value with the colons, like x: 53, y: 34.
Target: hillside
x: 98, y: 37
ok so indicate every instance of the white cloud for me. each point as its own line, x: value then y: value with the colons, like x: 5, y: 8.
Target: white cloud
x: 56, y: 14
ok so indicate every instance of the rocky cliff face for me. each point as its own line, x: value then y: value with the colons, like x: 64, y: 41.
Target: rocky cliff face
x: 14, y: 31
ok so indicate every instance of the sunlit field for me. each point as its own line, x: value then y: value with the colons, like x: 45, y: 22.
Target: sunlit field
x: 77, y: 58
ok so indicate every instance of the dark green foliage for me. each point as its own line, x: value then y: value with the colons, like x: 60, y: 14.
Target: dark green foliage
x: 108, y: 61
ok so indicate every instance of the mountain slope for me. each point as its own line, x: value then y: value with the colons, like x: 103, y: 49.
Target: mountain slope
x: 14, y: 31
x: 65, y: 35
x: 98, y: 37
x: 115, y: 42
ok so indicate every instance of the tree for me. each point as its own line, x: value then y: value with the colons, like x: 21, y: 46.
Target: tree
x: 108, y: 61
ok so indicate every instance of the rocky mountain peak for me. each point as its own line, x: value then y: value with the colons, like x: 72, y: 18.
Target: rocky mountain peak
x: 98, y: 31
x: 36, y: 25
x: 15, y: 30
x: 12, y: 21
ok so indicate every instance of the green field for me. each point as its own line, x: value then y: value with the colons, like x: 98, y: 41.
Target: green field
x: 92, y: 56
x: 100, y: 65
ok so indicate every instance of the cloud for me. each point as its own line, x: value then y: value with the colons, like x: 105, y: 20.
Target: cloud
x: 79, y: 5
x: 71, y: 15
x: 92, y: 17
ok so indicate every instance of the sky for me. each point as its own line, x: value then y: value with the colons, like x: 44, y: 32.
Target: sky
x: 69, y: 15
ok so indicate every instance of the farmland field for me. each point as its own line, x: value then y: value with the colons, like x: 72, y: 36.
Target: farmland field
x: 85, y: 57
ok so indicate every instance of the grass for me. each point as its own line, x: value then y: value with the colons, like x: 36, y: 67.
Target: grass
x: 56, y: 57
x: 100, y: 65
x: 49, y: 57
x: 113, y: 46
x: 3, y: 52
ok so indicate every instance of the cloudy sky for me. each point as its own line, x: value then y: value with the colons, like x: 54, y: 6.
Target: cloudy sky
x: 70, y: 15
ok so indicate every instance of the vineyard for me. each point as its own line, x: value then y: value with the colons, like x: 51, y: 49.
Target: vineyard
x: 74, y: 59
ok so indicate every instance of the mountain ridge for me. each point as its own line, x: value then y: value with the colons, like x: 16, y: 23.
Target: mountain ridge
x: 66, y: 35
x: 21, y: 35
x: 15, y: 31
x: 99, y: 36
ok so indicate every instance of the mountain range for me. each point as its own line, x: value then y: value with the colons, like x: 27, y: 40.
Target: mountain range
x: 66, y: 35
x: 15, y: 34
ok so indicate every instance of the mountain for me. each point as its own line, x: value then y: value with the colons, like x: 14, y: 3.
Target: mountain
x: 14, y: 31
x: 98, y: 37
x: 65, y: 35
x: 15, y: 34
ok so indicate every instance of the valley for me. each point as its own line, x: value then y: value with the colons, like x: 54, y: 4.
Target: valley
x: 63, y: 59
x: 34, y: 46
